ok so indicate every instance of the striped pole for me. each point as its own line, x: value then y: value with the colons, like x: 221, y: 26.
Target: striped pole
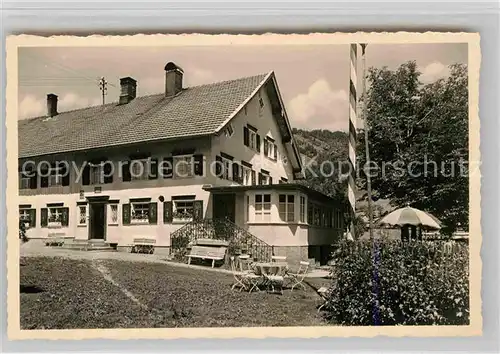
x: 353, y: 80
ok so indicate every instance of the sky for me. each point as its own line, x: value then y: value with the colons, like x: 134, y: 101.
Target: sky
x: 313, y: 80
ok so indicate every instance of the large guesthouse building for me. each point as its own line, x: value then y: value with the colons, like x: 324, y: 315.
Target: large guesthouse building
x: 148, y: 166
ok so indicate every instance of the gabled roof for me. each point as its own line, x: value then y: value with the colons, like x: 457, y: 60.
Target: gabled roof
x: 196, y: 111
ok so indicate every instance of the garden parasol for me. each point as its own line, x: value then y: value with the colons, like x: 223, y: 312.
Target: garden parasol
x: 411, y: 216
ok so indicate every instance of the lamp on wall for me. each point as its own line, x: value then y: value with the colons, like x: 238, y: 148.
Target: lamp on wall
x: 161, y: 198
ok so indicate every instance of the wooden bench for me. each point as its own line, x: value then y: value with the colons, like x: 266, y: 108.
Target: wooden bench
x: 143, y: 245
x: 214, y: 253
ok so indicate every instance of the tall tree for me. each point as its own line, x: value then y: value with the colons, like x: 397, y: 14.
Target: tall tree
x: 419, y: 141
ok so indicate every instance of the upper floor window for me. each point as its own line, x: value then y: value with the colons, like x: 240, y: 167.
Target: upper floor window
x: 246, y: 175
x: 183, y: 166
x: 96, y: 173
x: 263, y: 207
x: 287, y: 207
x: 251, y: 138
x: 224, y: 167
x: 25, y: 179
x: 270, y: 149
x: 139, y: 169
x: 265, y: 178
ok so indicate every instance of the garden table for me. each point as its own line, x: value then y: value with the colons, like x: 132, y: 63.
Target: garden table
x: 274, y: 268
x: 273, y: 273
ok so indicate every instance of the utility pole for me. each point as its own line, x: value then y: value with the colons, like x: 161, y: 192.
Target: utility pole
x: 367, y: 147
x: 103, y: 86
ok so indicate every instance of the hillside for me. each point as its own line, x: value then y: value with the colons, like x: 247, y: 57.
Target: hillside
x: 322, y: 143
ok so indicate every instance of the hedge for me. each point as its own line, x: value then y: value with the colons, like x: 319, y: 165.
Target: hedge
x: 390, y: 283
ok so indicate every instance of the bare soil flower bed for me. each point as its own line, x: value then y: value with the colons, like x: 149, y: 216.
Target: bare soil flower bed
x: 59, y: 293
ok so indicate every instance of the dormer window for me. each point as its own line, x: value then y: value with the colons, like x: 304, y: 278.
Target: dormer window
x: 270, y: 149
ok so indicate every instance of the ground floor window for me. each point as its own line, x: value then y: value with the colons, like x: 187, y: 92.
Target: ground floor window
x: 139, y: 213
x: 302, y: 214
x: 183, y: 209
x: 287, y: 207
x: 82, y: 215
x: 55, y: 215
x: 113, y: 213
x: 263, y: 207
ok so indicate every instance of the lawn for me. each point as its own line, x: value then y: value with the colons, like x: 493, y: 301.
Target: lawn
x: 58, y: 293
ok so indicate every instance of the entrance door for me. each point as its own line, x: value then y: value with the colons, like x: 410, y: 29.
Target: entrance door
x: 97, y: 227
x: 224, y: 206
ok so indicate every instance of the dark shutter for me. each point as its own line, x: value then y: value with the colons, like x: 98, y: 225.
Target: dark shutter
x: 167, y: 168
x: 275, y: 152
x: 44, y: 180
x: 65, y: 217
x: 218, y: 166
x: 198, y: 165
x: 260, y: 178
x: 86, y: 175
x: 246, y: 136
x: 236, y: 172
x: 32, y: 217
x: 198, y: 210
x: 126, y: 214
x: 65, y: 173
x: 108, y: 172
x: 126, y: 176
x: 270, y: 180
x: 167, y: 212
x: 33, y: 180
x: 266, y: 147
x: 153, y: 169
x: 257, y: 144
x: 153, y: 213
x: 44, y: 217
x: 254, y: 178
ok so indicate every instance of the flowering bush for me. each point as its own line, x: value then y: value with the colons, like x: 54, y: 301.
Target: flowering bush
x: 389, y: 283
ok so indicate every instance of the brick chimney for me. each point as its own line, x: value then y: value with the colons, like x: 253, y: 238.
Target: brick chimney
x: 128, y: 90
x: 51, y: 105
x: 173, y: 79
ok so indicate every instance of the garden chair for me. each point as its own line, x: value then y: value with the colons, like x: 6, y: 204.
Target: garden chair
x: 298, y: 278
x: 325, y: 294
x: 246, y: 279
x: 244, y: 261
x: 278, y: 258
x: 238, y: 276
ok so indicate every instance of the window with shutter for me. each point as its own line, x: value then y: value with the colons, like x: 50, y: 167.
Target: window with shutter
x: 257, y: 142
x: 108, y: 172
x: 153, y: 169
x: 44, y: 217
x: 254, y: 178
x: 218, y: 166
x: 246, y: 139
x: 198, y: 210
x: 153, y: 213
x: 167, y: 212
x: 266, y: 147
x: 198, y: 164
x: 34, y: 180
x: 44, y: 178
x: 167, y: 167
x: 86, y: 175
x: 65, y: 171
x: 32, y: 217
x: 126, y: 175
x: 126, y: 214
x: 64, y: 216
x: 236, y: 172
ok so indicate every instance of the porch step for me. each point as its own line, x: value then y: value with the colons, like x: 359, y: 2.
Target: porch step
x: 87, y: 245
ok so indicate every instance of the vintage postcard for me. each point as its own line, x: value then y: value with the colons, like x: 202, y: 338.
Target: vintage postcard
x: 223, y: 186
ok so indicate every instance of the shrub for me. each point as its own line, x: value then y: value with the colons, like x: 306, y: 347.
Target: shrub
x: 389, y: 283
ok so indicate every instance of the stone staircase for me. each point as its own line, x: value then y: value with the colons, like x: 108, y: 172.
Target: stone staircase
x: 86, y: 245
